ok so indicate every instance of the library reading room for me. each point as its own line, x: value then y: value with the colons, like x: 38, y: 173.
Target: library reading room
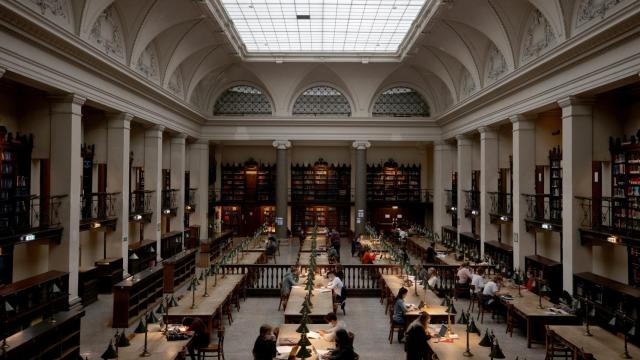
x: 319, y: 179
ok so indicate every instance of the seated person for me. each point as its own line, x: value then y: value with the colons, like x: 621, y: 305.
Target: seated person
x: 201, y: 336
x: 335, y: 284
x: 330, y: 334
x: 264, y: 347
x: 464, y: 274
x: 400, y: 309
x: 430, y: 256
x: 531, y: 280
x: 433, y: 279
x: 332, y: 254
x: 368, y: 257
x: 344, y: 347
x: 477, y: 280
x: 290, y: 279
x: 492, y: 289
x: 356, y: 245
x: 272, y: 245
x: 417, y: 336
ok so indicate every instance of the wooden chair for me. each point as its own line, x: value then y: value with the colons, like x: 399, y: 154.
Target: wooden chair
x: 390, y: 300
x: 284, y: 298
x: 473, y: 298
x: 226, y: 310
x: 235, y: 296
x: 214, y: 349
x: 483, y: 308
x: 393, y: 327
x: 461, y: 290
x: 511, y: 320
x: 555, y: 350
x: 272, y: 256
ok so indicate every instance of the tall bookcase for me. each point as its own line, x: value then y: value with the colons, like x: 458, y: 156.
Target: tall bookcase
x: 555, y: 184
x: 393, y: 182
x: 320, y: 182
x: 251, y: 181
x: 625, y: 183
x: 333, y: 217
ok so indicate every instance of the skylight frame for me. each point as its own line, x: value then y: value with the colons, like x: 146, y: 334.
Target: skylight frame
x: 427, y: 10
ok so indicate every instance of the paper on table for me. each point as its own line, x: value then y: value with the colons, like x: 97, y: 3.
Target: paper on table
x: 313, y: 335
x: 323, y: 290
x: 284, y: 349
x: 296, y: 287
x: 322, y: 352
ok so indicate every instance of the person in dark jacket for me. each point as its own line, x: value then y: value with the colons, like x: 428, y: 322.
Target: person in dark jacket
x: 265, y: 346
x: 417, y: 335
x: 201, y: 335
x: 344, y: 347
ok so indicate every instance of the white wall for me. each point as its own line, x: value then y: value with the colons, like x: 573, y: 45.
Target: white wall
x: 239, y: 154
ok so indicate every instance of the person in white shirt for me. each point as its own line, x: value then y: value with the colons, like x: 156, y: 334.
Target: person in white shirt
x: 477, y: 280
x: 330, y: 334
x: 335, y: 284
x: 433, y: 280
x: 491, y: 290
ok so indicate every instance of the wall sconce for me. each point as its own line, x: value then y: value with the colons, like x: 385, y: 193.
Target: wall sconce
x: 546, y: 226
x: 395, y: 207
x: 503, y: 218
x: 188, y: 207
x: 453, y: 208
x: 28, y: 237
x: 166, y: 211
x: 613, y: 239
x: 474, y: 212
x: 137, y: 217
x: 96, y: 225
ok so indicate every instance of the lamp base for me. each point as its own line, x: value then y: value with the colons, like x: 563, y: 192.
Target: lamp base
x: 625, y: 355
x: 205, y: 295
x: 194, y: 306
x: 145, y: 354
x: 467, y: 353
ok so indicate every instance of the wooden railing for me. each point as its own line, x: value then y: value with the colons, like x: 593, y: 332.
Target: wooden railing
x: 360, y: 280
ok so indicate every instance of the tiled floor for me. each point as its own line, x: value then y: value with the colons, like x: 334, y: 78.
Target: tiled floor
x: 365, y: 317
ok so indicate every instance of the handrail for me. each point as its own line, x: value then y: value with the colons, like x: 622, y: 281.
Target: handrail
x: 501, y: 203
x: 98, y: 205
x: 544, y: 208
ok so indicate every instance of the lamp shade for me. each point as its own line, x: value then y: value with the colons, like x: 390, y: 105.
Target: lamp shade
x: 463, y: 318
x: 152, y: 319
x: 110, y: 353
x: 496, y: 351
x: 123, y: 340
x: 173, y: 302
x: 486, y: 339
x: 472, y: 327
x: 133, y: 256
x: 8, y: 307
x: 141, y: 328
x: 161, y: 310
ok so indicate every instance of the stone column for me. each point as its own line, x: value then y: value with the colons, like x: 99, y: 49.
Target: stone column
x: 199, y: 172
x: 282, y: 174
x: 577, y: 156
x: 361, y: 184
x: 488, y: 181
x: 66, y: 170
x: 524, y: 166
x: 118, y: 145
x: 465, y: 148
x: 443, y: 166
x: 153, y: 181
x: 178, y: 167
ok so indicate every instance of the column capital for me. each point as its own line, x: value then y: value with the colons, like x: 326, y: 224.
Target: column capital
x: 154, y: 131
x: 281, y: 144
x: 361, y: 144
x: 73, y: 99
x: 179, y: 138
x: 575, y: 101
x: 523, y: 122
x: 200, y: 144
x: 2, y: 71
x: 463, y: 140
x: 487, y: 133
x: 119, y: 120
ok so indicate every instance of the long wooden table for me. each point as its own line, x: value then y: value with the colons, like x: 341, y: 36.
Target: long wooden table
x: 288, y: 336
x: 603, y: 345
x: 305, y: 257
x: 321, y: 242
x: 207, y: 308
x: 454, y: 349
x: 527, y: 308
x: 251, y: 257
x: 437, y: 313
x: 419, y: 245
x: 322, y: 302
x: 157, y: 345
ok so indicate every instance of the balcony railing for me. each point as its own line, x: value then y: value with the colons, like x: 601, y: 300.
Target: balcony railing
x: 610, y: 215
x: 471, y: 202
x: 97, y: 206
x: 140, y: 202
x: 43, y: 215
x: 501, y: 205
x: 190, y: 200
x: 169, y: 200
x: 451, y: 203
x: 545, y: 210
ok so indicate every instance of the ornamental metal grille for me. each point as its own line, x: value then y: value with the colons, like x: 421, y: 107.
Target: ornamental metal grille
x: 322, y: 100
x: 242, y: 100
x: 400, y: 101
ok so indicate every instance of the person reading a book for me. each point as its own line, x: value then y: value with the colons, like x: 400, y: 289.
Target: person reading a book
x: 417, y: 335
x: 264, y: 347
x: 330, y: 334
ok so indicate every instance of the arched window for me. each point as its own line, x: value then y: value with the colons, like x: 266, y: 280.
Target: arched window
x: 400, y: 101
x: 322, y: 100
x: 242, y: 100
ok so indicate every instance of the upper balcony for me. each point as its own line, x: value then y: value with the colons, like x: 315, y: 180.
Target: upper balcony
x: 609, y: 219
x: 39, y: 219
x: 501, y: 207
x: 140, y: 205
x: 98, y: 210
x: 544, y: 212
x: 471, y: 203
x: 169, y: 202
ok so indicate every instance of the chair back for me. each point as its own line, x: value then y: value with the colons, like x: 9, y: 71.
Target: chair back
x: 352, y: 337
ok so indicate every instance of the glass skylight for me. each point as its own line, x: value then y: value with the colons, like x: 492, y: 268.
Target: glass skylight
x: 322, y: 26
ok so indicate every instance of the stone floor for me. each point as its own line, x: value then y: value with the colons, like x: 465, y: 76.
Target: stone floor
x: 365, y: 317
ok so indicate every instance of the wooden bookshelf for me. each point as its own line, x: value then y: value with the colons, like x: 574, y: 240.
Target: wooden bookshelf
x: 555, y: 184
x: 470, y: 241
x: 178, y: 269
x: 192, y: 237
x: 110, y: 272
x: 321, y: 182
x: 145, y: 250
x: 170, y: 244
x: 59, y: 340
x: 39, y: 296
x: 88, y: 285
x: 333, y: 217
x: 609, y: 296
x: 449, y: 234
x: 625, y: 183
x: 135, y: 295
x: 390, y: 182
x: 500, y: 252
x: 551, y: 272
x: 248, y: 182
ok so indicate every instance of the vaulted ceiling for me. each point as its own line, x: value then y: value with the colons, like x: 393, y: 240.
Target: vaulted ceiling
x: 469, y: 45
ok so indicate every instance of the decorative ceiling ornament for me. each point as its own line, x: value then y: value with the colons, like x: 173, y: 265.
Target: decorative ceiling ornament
x: 147, y: 64
x: 176, y: 85
x: 56, y: 8
x: 496, y: 65
x: 538, y: 38
x: 106, y: 34
x: 467, y: 86
x: 591, y: 9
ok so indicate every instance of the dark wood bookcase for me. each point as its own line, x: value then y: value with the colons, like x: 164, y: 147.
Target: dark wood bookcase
x: 178, y: 269
x: 88, y: 284
x: 171, y: 244
x: 333, y: 217
x: 135, y: 295
x: 551, y: 272
x: 321, y: 182
x: 145, y: 255
x: 110, y: 272
x: 625, y: 184
x: 555, y: 184
x: 248, y: 182
x: 391, y: 182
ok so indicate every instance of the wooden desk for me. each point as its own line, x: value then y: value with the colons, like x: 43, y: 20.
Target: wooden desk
x: 449, y: 259
x: 251, y: 257
x: 603, y: 345
x: 321, y: 242
x: 207, y: 308
x: 157, y: 345
x: 454, y: 350
x: 322, y: 305
x: 526, y: 307
x: 437, y: 312
x: 287, y: 336
x: 305, y: 257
